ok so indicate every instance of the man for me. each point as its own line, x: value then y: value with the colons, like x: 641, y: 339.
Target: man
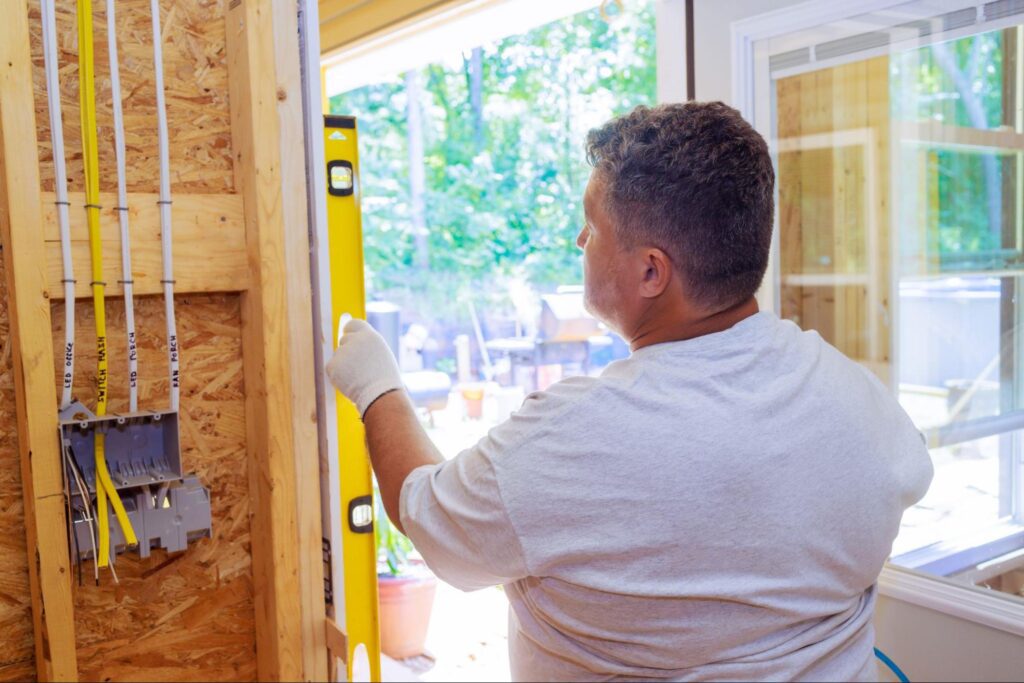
x: 717, y: 506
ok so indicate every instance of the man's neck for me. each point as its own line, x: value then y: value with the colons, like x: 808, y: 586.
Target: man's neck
x: 692, y: 326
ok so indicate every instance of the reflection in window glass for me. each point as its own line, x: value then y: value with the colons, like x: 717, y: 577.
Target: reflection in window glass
x: 901, y: 242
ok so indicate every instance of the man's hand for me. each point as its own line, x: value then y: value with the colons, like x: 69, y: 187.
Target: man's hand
x: 363, y: 367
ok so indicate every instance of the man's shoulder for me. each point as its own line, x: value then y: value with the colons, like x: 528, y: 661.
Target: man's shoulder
x: 583, y: 391
x: 564, y: 395
x: 559, y: 411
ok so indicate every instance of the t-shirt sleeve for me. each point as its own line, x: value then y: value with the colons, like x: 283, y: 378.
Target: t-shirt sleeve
x: 914, y: 469
x: 910, y: 462
x: 456, y: 518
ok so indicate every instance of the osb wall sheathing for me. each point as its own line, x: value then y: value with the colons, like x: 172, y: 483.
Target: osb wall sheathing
x: 188, y: 616
x: 196, y: 90
x: 17, y: 661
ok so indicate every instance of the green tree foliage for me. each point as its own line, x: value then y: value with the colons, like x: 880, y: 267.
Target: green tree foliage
x: 958, y: 83
x: 504, y: 158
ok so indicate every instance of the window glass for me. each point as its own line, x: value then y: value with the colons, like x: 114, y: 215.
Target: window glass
x: 472, y: 172
x: 900, y: 241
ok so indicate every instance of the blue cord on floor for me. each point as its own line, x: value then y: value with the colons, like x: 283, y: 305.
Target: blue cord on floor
x: 892, y: 666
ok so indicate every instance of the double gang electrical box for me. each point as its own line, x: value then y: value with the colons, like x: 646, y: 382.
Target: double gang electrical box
x: 166, y: 507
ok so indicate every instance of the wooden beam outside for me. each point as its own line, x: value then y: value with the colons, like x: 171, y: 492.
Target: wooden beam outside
x: 266, y: 341
x: 344, y: 23
x: 25, y: 266
x: 209, y: 244
x: 337, y: 643
x: 1002, y: 140
x: 298, y: 289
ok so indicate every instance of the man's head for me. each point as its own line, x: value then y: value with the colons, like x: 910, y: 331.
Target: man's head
x: 679, y: 213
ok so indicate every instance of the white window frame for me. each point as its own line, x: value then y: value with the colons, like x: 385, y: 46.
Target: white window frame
x: 947, y: 595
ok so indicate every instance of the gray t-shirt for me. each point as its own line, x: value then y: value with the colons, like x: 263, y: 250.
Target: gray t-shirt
x: 714, y: 509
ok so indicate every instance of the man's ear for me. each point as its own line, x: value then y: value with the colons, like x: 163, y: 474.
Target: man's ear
x: 657, y: 272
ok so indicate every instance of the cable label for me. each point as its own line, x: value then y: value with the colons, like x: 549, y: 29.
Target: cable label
x: 133, y: 355
x: 69, y: 361
x: 173, y: 343
x: 101, y: 374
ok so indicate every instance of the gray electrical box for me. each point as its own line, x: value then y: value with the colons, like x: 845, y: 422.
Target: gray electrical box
x: 166, y: 507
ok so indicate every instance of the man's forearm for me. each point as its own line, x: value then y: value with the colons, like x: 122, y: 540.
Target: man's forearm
x: 398, y: 445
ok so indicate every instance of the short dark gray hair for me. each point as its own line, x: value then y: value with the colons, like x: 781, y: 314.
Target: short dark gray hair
x: 696, y: 181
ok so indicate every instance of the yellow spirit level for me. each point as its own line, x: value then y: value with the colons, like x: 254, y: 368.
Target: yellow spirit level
x: 345, y: 244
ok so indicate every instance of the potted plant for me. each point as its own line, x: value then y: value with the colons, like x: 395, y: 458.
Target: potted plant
x: 406, y: 589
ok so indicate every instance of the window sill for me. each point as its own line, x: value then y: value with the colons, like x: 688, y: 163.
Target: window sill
x: 996, y: 610
x: 957, y: 555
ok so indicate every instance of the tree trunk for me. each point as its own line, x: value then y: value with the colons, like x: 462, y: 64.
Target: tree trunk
x: 476, y: 95
x: 417, y: 173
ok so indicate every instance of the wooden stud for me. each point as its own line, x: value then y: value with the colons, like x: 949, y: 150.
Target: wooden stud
x: 266, y: 341
x: 788, y: 97
x: 816, y: 194
x: 214, y: 221
x: 337, y: 643
x: 20, y: 218
x: 879, y: 120
x: 302, y: 334
x: 849, y: 213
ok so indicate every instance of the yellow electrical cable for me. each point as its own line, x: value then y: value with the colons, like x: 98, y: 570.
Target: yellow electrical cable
x: 90, y: 154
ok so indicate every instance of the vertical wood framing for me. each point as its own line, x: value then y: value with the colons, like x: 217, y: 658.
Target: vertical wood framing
x: 292, y: 145
x: 266, y: 340
x: 834, y: 202
x: 880, y: 254
x: 20, y: 231
x: 849, y: 210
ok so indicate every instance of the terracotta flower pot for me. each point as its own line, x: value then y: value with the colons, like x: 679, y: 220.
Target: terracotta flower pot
x: 473, y: 396
x: 405, y: 604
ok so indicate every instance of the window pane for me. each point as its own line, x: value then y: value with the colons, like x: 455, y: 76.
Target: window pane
x: 963, y: 498
x: 956, y: 348
x: 900, y: 233
x: 473, y: 167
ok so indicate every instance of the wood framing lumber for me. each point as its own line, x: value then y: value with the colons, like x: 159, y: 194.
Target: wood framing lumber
x: 266, y: 342
x: 298, y: 289
x: 25, y: 268
x: 209, y: 244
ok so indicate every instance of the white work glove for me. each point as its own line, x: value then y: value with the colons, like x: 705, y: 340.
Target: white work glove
x: 363, y: 367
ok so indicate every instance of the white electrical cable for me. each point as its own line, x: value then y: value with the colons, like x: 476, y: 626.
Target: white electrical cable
x: 49, y: 28
x: 60, y: 182
x: 165, y: 207
x: 122, y: 212
x: 87, y: 515
x: 83, y: 493
x: 114, y: 573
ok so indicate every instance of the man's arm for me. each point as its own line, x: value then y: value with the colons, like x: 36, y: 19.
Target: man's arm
x: 398, y: 445
x: 364, y: 370
x: 454, y: 512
